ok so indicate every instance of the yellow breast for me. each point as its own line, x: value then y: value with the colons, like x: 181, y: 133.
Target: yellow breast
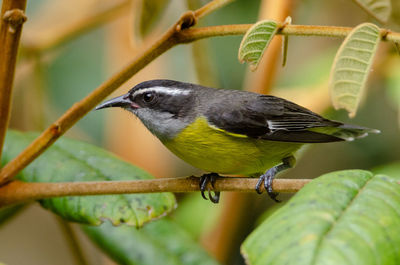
x: 215, y: 150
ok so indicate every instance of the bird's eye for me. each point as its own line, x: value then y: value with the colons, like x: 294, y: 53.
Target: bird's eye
x: 148, y: 97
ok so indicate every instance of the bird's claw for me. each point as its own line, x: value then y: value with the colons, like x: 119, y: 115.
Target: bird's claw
x: 267, y: 179
x: 204, y: 180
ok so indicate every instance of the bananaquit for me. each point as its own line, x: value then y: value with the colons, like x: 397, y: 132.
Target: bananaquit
x: 230, y: 131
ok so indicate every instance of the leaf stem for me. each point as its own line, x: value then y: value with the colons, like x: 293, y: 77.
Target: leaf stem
x: 12, y: 18
x: 19, y: 192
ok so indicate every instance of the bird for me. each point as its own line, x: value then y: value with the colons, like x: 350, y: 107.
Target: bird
x: 227, y: 131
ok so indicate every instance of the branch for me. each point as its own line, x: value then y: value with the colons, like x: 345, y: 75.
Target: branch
x: 19, y: 192
x: 12, y: 18
x: 179, y: 33
x: 191, y: 35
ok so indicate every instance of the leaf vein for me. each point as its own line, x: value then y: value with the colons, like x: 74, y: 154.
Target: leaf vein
x: 353, y: 59
x: 329, y: 230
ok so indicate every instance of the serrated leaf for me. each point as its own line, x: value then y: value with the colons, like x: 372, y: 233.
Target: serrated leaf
x: 256, y: 41
x: 71, y: 160
x: 148, y: 14
x: 347, y: 217
x: 379, y: 9
x: 159, y: 242
x: 351, y: 67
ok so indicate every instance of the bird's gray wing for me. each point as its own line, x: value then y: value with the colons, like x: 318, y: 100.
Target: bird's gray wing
x: 270, y: 118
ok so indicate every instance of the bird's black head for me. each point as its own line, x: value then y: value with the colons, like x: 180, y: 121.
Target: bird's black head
x: 159, y: 95
x: 164, y: 106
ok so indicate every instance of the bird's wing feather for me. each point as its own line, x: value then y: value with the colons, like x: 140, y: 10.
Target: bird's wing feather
x: 270, y: 118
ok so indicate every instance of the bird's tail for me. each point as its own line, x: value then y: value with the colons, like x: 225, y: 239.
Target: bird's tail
x: 347, y: 132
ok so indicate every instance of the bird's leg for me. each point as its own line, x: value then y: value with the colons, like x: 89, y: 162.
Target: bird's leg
x: 269, y: 175
x: 204, y: 180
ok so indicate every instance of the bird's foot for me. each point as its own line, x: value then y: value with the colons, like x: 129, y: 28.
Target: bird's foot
x: 267, y: 179
x: 204, y: 180
x: 269, y: 176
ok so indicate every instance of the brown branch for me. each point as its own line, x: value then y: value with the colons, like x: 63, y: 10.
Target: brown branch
x: 179, y: 33
x: 76, y: 29
x: 12, y: 18
x: 194, y: 34
x: 19, y: 192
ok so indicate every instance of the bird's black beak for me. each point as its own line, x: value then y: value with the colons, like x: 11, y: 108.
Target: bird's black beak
x: 121, y: 101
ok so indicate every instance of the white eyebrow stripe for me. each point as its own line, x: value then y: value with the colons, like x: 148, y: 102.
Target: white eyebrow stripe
x: 165, y: 90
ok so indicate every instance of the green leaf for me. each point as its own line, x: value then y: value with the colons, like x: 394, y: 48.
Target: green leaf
x: 379, y: 9
x: 147, y: 14
x: 256, y: 41
x: 351, y: 67
x: 70, y: 160
x: 159, y: 242
x: 347, y: 217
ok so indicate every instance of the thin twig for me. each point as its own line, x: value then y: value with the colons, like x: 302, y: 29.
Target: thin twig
x: 18, y: 192
x: 12, y: 18
x: 177, y: 34
x: 210, y: 7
